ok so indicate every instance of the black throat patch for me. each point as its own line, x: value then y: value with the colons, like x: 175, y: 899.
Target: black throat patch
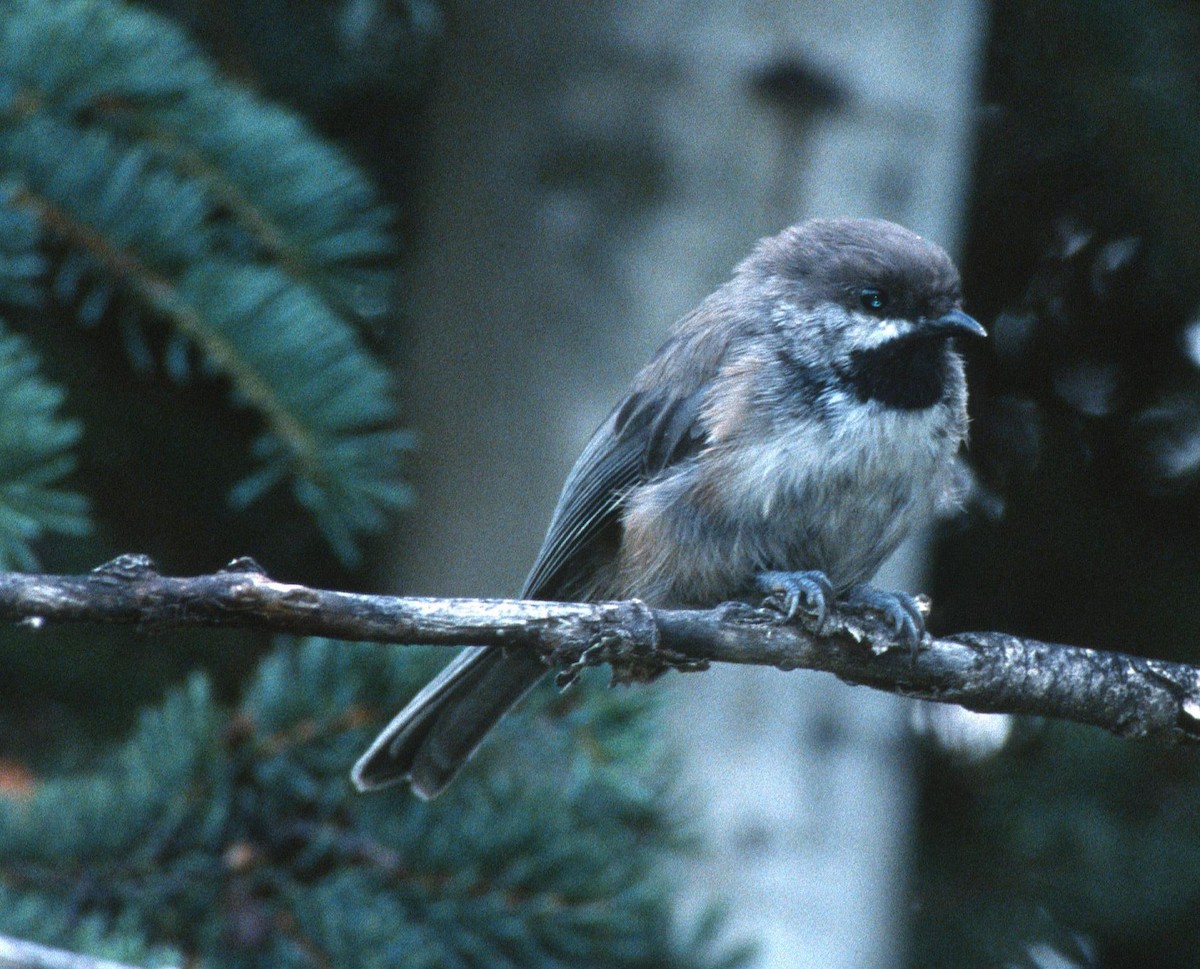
x: 908, y: 373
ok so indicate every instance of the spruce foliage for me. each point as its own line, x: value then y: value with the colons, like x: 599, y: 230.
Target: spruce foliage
x: 234, y: 836
x: 36, y: 441
x: 172, y: 198
x: 35, y: 455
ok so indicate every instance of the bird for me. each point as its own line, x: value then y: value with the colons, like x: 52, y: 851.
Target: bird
x: 793, y: 429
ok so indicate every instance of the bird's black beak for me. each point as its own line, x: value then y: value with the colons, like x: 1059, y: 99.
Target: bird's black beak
x: 955, y: 323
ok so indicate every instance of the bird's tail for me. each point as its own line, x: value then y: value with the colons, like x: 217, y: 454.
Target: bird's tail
x: 430, y: 740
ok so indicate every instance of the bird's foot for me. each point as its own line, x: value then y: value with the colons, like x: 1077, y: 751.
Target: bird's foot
x: 789, y: 592
x: 899, y: 609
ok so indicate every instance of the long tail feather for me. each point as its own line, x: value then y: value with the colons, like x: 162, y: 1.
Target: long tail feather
x: 430, y: 740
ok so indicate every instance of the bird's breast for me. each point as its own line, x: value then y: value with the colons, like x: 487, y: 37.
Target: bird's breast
x: 837, y: 495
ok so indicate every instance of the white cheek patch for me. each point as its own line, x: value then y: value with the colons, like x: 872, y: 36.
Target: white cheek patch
x: 871, y: 332
x: 888, y: 330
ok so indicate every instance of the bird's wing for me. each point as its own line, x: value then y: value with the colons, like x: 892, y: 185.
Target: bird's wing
x: 655, y: 428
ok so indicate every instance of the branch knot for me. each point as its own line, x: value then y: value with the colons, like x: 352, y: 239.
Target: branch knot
x: 127, y: 568
x: 625, y: 636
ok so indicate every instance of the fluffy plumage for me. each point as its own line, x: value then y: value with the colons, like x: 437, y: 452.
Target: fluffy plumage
x: 803, y: 417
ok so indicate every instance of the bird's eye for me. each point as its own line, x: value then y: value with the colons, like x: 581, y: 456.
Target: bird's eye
x: 872, y: 299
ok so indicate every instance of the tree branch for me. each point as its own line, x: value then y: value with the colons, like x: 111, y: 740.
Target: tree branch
x: 18, y: 954
x: 993, y: 672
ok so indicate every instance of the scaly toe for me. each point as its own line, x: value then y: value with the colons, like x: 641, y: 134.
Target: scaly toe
x: 792, y: 591
x: 899, y: 609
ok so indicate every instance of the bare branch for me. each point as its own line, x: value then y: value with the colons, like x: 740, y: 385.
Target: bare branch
x: 993, y: 672
x: 18, y: 954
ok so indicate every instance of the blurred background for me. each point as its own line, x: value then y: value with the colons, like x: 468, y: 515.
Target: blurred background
x: 345, y: 285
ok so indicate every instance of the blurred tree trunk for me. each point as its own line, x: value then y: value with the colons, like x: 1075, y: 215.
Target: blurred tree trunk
x: 592, y: 171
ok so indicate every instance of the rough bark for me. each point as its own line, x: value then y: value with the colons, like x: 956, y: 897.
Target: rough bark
x: 19, y: 954
x: 985, y: 671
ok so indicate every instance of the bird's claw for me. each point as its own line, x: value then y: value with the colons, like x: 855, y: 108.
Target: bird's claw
x: 899, y: 609
x: 792, y: 591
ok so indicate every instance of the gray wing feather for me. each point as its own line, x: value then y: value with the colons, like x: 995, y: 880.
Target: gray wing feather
x: 644, y: 436
x: 590, y: 500
x: 654, y: 429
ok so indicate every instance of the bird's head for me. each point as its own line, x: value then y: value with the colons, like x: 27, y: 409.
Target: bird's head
x: 865, y: 303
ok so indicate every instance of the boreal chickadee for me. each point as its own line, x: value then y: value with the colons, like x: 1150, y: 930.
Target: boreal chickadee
x: 796, y: 426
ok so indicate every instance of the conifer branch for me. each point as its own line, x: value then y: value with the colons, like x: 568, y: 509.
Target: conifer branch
x: 158, y: 292
x: 256, y: 243
x: 987, y: 671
